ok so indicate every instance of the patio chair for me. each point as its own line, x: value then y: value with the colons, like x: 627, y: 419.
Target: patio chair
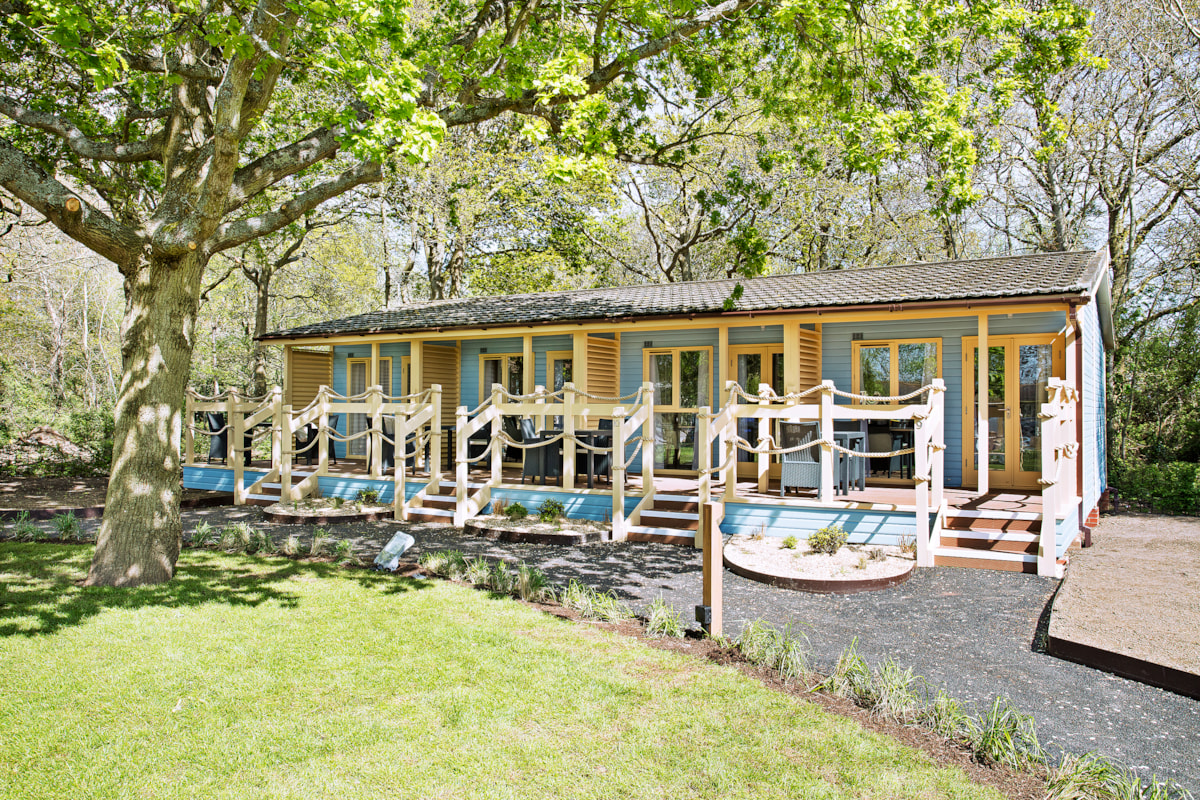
x: 306, y: 444
x: 478, y: 443
x: 218, y: 443
x: 544, y: 461
x: 333, y: 445
x: 802, y: 468
x: 601, y: 462
x: 510, y: 427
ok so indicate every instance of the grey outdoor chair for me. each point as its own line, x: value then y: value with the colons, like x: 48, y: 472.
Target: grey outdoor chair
x: 801, y: 469
x: 540, y: 462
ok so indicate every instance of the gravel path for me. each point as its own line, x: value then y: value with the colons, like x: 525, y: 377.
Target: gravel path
x: 969, y: 631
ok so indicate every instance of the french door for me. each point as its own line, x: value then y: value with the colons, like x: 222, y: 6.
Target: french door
x: 754, y: 365
x: 357, y: 372
x: 682, y: 379
x: 1019, y: 370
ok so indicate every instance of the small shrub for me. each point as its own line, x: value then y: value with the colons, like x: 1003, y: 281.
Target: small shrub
x: 791, y: 542
x: 203, y: 534
x: 781, y: 650
x: 517, y: 512
x: 236, y: 537
x: 877, y: 554
x: 24, y: 530
x: 532, y: 585
x: 317, y: 546
x: 908, y: 546
x: 897, y: 699
x: 593, y: 604
x: 502, y: 581
x: 367, y: 496
x: 336, y: 502
x: 946, y: 717
x: 433, y: 562
x: 662, y: 619
x: 862, y: 562
x: 478, y: 571
x: 851, y: 678
x: 827, y: 540
x: 1088, y: 777
x: 760, y: 534
x: 1008, y: 737
x: 68, y: 527
x: 456, y: 565
x: 550, y: 510
x: 499, y: 508
x: 343, y: 552
x: 291, y: 546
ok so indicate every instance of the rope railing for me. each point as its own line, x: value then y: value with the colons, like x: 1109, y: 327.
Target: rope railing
x: 533, y: 396
x: 422, y: 396
x: 602, y: 399
x: 770, y: 450
x: 771, y: 395
x: 898, y: 398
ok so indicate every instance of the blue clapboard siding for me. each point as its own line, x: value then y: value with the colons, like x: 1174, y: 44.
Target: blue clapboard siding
x: 595, y: 507
x: 836, y: 363
x: 1095, y: 443
x: 541, y: 344
x: 758, y: 334
x: 469, y: 363
x: 864, y: 527
x: 1066, y: 532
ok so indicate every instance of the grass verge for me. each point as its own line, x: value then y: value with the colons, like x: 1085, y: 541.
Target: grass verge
x: 264, y: 677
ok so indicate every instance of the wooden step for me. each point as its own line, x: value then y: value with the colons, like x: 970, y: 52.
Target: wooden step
x: 439, y: 501
x: 687, y: 506
x: 971, y: 522
x: 945, y: 556
x: 677, y: 520
x: 992, y: 541
x: 645, y: 533
x: 427, y: 514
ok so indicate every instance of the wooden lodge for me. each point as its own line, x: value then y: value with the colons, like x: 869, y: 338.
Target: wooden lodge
x: 849, y: 397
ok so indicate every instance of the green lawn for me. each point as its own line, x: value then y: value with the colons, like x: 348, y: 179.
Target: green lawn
x: 254, y: 678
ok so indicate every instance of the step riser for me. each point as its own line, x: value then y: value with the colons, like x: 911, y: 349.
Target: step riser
x: 993, y: 546
x: 658, y: 538
x: 1028, y: 567
x: 989, y: 525
x: 651, y: 520
x: 676, y: 505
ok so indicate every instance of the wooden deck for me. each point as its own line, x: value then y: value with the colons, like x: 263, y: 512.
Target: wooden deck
x: 882, y: 496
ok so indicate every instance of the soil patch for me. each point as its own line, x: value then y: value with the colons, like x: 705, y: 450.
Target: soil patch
x: 42, y: 498
x: 533, y: 531
x: 324, y: 513
x: 1131, y: 602
x: 852, y: 568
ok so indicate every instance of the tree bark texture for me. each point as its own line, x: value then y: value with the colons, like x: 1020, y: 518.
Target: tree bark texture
x: 141, y: 534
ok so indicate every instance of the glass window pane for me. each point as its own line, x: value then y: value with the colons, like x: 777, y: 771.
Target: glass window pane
x: 997, y: 441
x: 917, y: 367
x: 777, y: 373
x: 875, y: 370
x: 491, y: 375
x: 385, y: 376
x: 675, y: 441
x: 516, y: 375
x: 749, y: 371
x: 694, y: 378
x: 1035, y: 365
x: 661, y: 375
x: 562, y: 373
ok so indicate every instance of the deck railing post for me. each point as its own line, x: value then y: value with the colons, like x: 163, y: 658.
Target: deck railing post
x: 704, y: 442
x: 763, y: 460
x: 937, y: 435
x: 375, y: 437
x: 400, y: 476
x: 282, y: 448
x: 1047, y: 554
x: 647, y: 398
x: 620, y: 529
x: 189, y: 434
x: 435, y: 438
x: 236, y: 426
x: 569, y: 401
x: 729, y: 444
x: 825, y: 493
x: 462, y: 453
x: 921, y: 440
x: 540, y: 400
x: 323, y: 433
x: 497, y: 445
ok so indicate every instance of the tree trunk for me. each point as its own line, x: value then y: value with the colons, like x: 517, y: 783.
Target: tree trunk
x: 262, y: 302
x: 141, y: 534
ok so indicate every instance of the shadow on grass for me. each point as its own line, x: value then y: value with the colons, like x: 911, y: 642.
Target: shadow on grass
x: 40, y: 592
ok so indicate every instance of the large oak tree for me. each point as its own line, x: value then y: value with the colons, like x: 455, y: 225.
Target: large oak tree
x: 151, y: 130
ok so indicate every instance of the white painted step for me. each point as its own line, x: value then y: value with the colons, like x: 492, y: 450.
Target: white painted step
x: 984, y: 555
x: 988, y: 513
x: 688, y: 515
x: 433, y: 512
x: 661, y: 531
x: 992, y: 536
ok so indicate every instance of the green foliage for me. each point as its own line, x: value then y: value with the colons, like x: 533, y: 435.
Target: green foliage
x: 320, y: 539
x: 291, y: 545
x: 502, y: 580
x: 203, y: 533
x: 780, y: 650
x: 897, y: 697
x: 851, y: 678
x: 946, y: 717
x: 593, y: 604
x: 663, y: 619
x: 1171, y: 488
x: 516, y: 512
x: 478, y: 571
x: 24, y: 530
x: 1008, y: 737
x: 828, y: 540
x: 550, y: 510
x: 790, y: 542
x: 67, y: 526
x: 367, y: 496
x: 336, y: 502
x: 237, y: 537
x: 532, y: 585
x: 343, y: 552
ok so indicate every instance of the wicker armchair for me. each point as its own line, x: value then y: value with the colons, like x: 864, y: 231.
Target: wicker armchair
x: 801, y: 469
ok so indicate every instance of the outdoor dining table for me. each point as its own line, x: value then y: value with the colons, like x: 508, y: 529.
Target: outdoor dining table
x: 851, y: 469
x: 590, y: 437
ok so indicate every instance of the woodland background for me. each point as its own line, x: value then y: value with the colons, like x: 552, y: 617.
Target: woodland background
x: 1117, y: 164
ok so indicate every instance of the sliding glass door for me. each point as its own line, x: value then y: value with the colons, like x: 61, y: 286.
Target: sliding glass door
x: 682, y: 381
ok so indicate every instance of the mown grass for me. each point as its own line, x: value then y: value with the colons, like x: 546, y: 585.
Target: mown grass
x: 264, y: 677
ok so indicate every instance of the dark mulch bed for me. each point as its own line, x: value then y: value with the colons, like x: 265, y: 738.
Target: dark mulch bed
x: 42, y: 498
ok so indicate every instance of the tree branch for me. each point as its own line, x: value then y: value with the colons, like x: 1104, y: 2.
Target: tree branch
x: 273, y: 167
x: 80, y: 144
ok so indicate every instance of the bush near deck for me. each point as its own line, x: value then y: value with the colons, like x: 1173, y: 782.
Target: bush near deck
x: 261, y: 677
x: 1171, y: 488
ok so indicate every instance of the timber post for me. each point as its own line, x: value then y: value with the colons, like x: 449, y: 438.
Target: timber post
x: 283, y: 448
x: 825, y: 493
x: 400, y: 482
x: 435, y: 438
x: 375, y: 437
x: 569, y: 402
x: 729, y: 446
x: 763, y: 460
x: 710, y: 613
x: 323, y: 433
x: 921, y: 440
x: 647, y: 443
x: 462, y: 453
x: 620, y: 526
x: 235, y: 426
x: 496, y: 444
x: 189, y: 432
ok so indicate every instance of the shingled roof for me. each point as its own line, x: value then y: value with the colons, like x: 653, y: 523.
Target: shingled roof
x: 1058, y: 274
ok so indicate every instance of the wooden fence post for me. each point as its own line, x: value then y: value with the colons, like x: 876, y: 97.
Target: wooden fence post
x: 435, y: 438
x: 497, y: 445
x: 825, y: 493
x: 568, y: 476
x: 763, y: 460
x: 323, y: 434
x: 729, y: 444
x: 620, y: 527
x: 1050, y: 490
x: 463, y: 452
x: 236, y: 426
x: 400, y: 478
x: 375, y: 437
x: 704, y: 441
x: 189, y: 435
x: 921, y: 440
x: 283, y: 449
x: 710, y: 614
x: 647, y: 442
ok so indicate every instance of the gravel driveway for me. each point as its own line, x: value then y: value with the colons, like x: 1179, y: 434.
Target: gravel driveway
x: 970, y: 631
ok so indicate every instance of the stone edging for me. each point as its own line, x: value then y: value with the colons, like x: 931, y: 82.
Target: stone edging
x: 818, y: 585
x: 477, y: 528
